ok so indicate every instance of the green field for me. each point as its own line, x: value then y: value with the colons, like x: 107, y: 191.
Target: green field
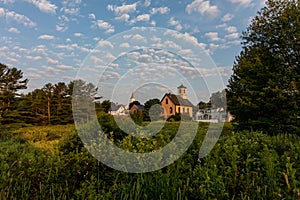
x: 50, y: 162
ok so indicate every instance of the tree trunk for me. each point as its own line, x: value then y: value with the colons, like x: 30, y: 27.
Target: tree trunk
x: 49, y: 111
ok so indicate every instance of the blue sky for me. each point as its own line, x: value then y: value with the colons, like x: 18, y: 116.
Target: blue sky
x: 51, y: 40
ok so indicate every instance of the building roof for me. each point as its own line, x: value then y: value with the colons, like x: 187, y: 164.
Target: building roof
x: 178, y: 100
x: 140, y: 107
x: 115, y: 107
x: 181, y: 86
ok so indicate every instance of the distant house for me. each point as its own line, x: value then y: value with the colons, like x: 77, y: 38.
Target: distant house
x: 135, y: 108
x: 213, y: 115
x: 117, y: 110
x: 179, y: 103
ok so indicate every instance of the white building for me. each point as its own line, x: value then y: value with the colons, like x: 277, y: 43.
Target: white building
x: 117, y: 110
x: 213, y: 115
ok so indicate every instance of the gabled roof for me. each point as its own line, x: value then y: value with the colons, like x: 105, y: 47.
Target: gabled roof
x: 178, y: 100
x: 115, y: 107
x: 140, y: 107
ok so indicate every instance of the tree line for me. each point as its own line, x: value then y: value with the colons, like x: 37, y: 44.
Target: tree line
x: 51, y: 104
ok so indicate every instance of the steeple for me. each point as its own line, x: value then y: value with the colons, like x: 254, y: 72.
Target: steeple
x: 132, y: 99
x: 182, y: 91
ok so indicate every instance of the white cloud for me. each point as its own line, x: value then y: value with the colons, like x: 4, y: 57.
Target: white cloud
x: 212, y: 36
x: 123, y: 17
x: 40, y: 49
x: 145, y: 58
x: 141, y: 18
x: 186, y: 37
x: 104, y: 43
x: 135, y: 37
x: 92, y: 16
x: 71, y: 11
x: 227, y: 17
x: 221, y: 25
x: 119, y: 10
x: 203, y: 7
x: 242, y: 2
x: 160, y: 10
x: 13, y: 30
x: 144, y: 17
x: 125, y: 45
x: 72, y: 47
x: 175, y: 23
x: 20, y: 49
x: 153, y: 23
x: 78, y: 34
x: 71, y: 7
x: 232, y: 36
x: 64, y: 67
x: 46, y: 37
x: 52, y: 61
x: 232, y: 32
x: 213, y: 47
x: 44, y: 6
x: 231, y: 29
x: 21, y: 19
x: 34, y: 58
x: 2, y: 12
x: 61, y: 28
x: 103, y: 25
x: 147, y: 3
x: 138, y: 37
x: 52, y: 69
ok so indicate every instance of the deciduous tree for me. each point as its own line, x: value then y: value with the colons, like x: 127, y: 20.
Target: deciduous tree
x: 263, y: 92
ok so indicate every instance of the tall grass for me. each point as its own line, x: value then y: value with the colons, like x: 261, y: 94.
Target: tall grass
x: 52, y: 163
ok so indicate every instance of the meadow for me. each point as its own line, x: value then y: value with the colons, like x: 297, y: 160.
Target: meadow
x: 50, y: 162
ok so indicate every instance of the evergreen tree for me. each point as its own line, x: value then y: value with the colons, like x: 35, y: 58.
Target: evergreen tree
x: 11, y: 81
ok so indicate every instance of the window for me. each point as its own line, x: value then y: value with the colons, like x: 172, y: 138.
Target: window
x: 171, y: 110
x: 188, y: 110
x: 167, y: 100
x: 178, y: 109
x: 183, y: 110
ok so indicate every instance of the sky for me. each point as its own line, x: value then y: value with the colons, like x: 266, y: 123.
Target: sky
x: 147, y: 47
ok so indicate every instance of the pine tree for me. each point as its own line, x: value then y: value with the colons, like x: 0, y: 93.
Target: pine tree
x: 11, y: 81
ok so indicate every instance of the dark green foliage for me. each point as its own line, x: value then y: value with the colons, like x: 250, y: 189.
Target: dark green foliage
x: 263, y: 92
x: 10, y: 83
x: 105, y: 105
x: 174, y: 118
x: 48, y: 105
x: 156, y: 111
x: 202, y: 105
x: 137, y: 116
x: 109, y: 126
